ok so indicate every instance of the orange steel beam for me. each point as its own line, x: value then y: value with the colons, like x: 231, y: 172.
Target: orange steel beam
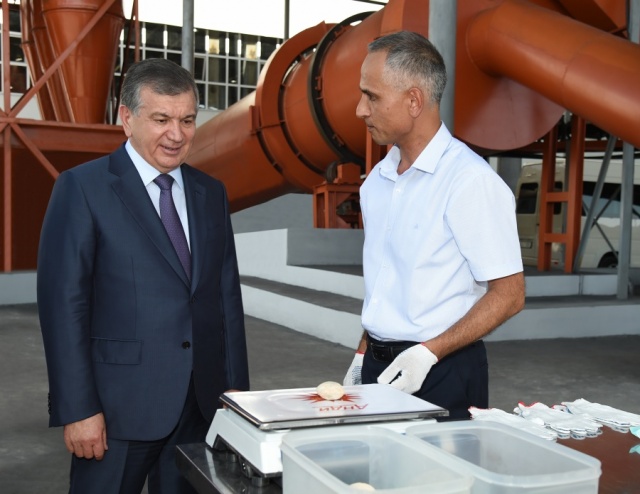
x: 6, y: 137
x: 547, y: 180
x: 137, y: 31
x: 61, y: 137
x: 30, y: 50
x: 136, y: 54
x: 574, y: 191
x: 46, y: 164
x: 6, y: 75
x: 7, y: 217
x: 571, y: 196
x: 44, y: 56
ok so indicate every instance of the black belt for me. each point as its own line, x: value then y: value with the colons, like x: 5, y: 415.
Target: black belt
x: 387, y: 351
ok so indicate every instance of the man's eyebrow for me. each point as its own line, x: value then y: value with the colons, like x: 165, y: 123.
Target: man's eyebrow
x: 367, y: 92
x: 166, y: 115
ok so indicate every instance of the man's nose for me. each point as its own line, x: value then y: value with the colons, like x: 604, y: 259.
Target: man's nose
x: 174, y: 132
x: 362, y: 110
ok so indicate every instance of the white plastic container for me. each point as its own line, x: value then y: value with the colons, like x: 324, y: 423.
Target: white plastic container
x: 505, y: 460
x: 330, y: 459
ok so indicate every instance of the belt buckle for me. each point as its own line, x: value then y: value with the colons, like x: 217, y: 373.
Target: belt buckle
x: 381, y: 353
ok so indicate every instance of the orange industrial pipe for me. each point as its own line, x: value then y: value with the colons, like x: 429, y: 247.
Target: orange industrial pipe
x: 301, y: 118
x: 589, y: 72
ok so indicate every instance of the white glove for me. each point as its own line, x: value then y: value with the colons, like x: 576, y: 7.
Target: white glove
x: 565, y: 424
x: 515, y: 421
x: 616, y: 419
x: 413, y: 365
x: 354, y: 373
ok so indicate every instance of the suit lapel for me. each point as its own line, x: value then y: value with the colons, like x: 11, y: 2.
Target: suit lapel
x: 195, y: 195
x: 135, y: 197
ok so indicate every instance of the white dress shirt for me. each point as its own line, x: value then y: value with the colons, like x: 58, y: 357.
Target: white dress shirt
x: 433, y: 237
x: 148, y: 173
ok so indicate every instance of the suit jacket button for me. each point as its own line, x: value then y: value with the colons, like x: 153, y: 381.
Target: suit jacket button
x: 186, y: 345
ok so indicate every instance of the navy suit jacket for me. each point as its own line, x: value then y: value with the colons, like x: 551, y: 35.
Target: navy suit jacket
x: 122, y: 325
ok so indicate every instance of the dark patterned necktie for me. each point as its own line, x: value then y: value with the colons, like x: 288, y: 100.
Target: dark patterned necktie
x: 171, y: 221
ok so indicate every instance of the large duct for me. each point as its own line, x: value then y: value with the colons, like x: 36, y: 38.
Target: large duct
x: 519, y: 65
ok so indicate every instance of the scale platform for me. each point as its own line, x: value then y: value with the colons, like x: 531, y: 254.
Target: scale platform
x: 253, y: 423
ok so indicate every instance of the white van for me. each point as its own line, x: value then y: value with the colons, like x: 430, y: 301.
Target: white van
x: 602, y: 247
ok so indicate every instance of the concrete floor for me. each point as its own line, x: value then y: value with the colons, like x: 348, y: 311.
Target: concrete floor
x: 33, y: 458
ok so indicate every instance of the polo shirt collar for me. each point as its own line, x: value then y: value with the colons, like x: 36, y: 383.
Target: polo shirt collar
x: 430, y: 156
x: 427, y: 160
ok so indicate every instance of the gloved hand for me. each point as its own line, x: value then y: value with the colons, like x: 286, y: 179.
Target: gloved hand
x: 515, y: 421
x: 354, y: 373
x: 413, y: 365
x: 616, y: 419
x: 565, y: 424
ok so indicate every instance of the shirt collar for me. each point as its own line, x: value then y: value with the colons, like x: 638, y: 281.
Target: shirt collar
x: 427, y: 160
x: 147, y: 172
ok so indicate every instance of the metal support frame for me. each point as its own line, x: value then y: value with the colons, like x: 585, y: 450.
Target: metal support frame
x: 6, y: 135
x: 443, y: 25
x: 592, y: 213
x: 188, y: 47
x: 571, y: 196
x: 31, y: 134
x: 626, y: 194
x: 328, y: 198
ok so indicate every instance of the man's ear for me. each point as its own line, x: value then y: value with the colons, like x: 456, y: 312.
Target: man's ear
x: 125, y: 117
x: 416, y: 101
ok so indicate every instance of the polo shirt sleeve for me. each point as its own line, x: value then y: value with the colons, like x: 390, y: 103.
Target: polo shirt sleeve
x: 481, y: 216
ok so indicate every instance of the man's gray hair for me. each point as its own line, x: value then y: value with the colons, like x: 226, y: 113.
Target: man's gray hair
x: 412, y: 60
x: 161, y: 76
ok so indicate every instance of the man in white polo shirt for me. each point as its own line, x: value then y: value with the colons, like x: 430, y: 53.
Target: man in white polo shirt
x: 442, y: 263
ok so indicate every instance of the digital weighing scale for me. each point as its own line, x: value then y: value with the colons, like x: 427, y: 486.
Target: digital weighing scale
x: 253, y: 423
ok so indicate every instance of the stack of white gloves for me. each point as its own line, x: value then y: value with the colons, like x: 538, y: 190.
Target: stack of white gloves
x: 540, y: 420
x: 618, y: 420
x: 578, y: 419
x: 564, y: 424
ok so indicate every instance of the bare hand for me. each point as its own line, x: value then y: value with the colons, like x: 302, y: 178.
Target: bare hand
x: 87, y: 438
x: 232, y: 390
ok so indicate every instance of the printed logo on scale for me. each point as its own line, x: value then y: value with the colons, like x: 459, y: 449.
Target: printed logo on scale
x: 348, y: 402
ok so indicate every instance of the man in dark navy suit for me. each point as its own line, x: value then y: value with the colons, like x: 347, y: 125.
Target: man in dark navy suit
x: 141, y: 318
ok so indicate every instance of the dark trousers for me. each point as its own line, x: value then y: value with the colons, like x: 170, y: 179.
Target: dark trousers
x: 127, y: 464
x: 458, y: 381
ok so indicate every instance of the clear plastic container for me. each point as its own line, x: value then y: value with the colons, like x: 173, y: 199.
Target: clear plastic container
x: 504, y: 460
x: 330, y: 459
